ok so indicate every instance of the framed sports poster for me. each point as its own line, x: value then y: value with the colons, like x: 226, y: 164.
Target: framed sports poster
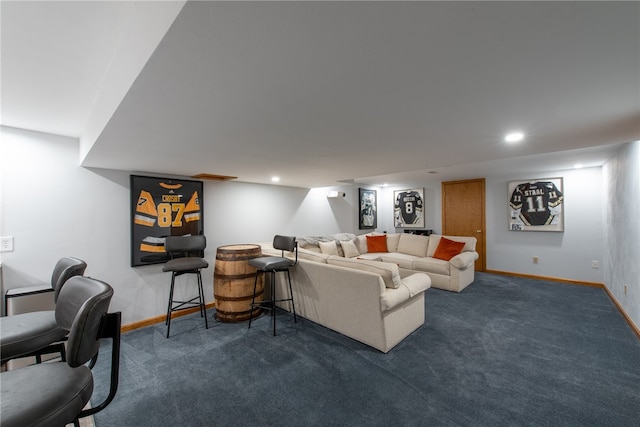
x: 368, y: 209
x: 408, y: 208
x: 536, y: 205
x: 162, y: 207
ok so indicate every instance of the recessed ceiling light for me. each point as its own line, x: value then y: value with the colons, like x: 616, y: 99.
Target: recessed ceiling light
x: 578, y: 166
x: 514, y: 137
x: 275, y: 178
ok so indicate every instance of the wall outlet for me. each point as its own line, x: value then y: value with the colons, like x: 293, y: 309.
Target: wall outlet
x: 536, y: 259
x: 6, y: 244
x: 595, y: 264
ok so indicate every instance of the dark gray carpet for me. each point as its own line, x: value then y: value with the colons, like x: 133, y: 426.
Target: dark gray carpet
x: 505, y: 351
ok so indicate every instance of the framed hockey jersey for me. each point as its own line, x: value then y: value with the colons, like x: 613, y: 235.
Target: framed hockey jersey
x: 408, y: 208
x: 536, y: 205
x: 162, y: 207
x: 368, y: 209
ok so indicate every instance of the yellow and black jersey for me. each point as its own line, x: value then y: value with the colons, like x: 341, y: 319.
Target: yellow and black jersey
x: 163, y: 209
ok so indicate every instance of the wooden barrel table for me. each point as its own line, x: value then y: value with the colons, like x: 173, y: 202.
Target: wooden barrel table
x: 233, y: 282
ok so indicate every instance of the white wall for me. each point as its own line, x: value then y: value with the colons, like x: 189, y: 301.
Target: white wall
x: 567, y: 254
x: 54, y: 208
x: 622, y: 229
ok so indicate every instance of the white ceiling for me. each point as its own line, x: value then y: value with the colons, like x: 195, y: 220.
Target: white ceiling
x: 321, y: 93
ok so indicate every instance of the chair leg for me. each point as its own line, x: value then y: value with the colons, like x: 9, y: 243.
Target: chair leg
x: 63, y: 352
x: 169, y: 307
x: 203, y: 307
x: 293, y: 304
x: 253, y: 298
x: 273, y: 300
x: 200, y: 299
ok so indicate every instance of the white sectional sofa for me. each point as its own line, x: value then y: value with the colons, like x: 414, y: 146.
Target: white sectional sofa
x: 364, y: 300
x: 373, y: 296
x: 412, y: 253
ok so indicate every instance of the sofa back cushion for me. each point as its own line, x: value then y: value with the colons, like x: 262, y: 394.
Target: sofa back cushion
x: 413, y: 244
x: 312, y: 255
x: 434, y: 240
x: 392, y: 242
x: 361, y: 243
x: 390, y: 273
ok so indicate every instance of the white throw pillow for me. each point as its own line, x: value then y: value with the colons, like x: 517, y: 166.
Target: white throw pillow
x: 329, y: 248
x: 349, y: 248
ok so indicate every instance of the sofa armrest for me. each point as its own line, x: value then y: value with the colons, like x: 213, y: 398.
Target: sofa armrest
x: 410, y: 287
x: 416, y: 283
x: 463, y: 260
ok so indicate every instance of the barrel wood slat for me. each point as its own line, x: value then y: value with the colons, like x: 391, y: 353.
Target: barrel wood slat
x: 233, y: 282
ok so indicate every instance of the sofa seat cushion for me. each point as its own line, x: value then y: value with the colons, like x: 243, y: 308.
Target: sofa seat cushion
x: 375, y: 256
x: 390, y: 273
x: 432, y: 265
x: 402, y: 260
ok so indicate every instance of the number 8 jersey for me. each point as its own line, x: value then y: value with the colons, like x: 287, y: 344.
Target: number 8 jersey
x: 408, y: 208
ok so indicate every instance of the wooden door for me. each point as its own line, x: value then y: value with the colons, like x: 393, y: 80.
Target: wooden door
x: 463, y: 213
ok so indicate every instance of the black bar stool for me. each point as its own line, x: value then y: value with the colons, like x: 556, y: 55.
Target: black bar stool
x: 186, y: 258
x: 273, y: 265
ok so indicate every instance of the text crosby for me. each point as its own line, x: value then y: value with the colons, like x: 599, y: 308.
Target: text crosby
x: 171, y: 198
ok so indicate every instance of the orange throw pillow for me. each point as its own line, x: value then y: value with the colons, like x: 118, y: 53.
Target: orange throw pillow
x: 377, y: 244
x: 447, y: 249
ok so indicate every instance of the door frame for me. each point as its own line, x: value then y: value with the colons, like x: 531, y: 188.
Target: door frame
x: 483, y: 230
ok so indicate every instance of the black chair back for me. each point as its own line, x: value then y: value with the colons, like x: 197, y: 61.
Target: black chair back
x: 55, y: 393
x: 82, y: 304
x: 286, y: 243
x: 185, y: 245
x: 65, y: 268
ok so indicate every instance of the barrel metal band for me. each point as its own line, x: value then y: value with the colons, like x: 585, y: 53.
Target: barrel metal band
x: 244, y: 298
x: 234, y: 277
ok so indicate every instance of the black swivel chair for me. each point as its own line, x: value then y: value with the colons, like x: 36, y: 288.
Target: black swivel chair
x: 186, y: 258
x: 55, y: 393
x: 273, y: 265
x: 37, y: 333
